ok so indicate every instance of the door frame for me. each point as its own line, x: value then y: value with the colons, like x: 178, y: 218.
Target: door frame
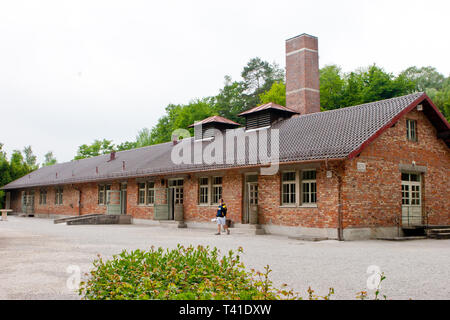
x: 172, y: 196
x: 123, y: 197
x: 114, y: 209
x: 412, y: 215
x: 246, y: 199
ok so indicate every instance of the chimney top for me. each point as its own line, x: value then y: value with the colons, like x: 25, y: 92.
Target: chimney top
x: 302, y: 74
x: 112, y: 156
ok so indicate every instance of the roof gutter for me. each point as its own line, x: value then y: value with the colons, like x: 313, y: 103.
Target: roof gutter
x: 155, y: 174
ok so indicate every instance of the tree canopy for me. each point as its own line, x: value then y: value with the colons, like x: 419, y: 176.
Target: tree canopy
x: 15, y: 168
x: 262, y: 82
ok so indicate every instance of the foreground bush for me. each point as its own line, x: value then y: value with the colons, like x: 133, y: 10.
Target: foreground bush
x: 183, y: 273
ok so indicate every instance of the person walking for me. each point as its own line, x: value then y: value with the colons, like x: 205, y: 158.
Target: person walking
x: 221, y: 217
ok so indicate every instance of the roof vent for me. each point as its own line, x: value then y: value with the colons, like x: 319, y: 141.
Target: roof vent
x: 206, y: 128
x: 265, y: 115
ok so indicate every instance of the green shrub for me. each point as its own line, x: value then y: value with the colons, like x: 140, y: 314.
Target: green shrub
x: 182, y: 273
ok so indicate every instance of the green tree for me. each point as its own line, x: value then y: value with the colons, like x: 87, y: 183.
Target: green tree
x: 332, y: 85
x: 373, y: 84
x: 49, y: 159
x: 97, y: 148
x: 30, y: 158
x: 424, y: 78
x: 5, y: 176
x: 442, y: 97
x: 276, y: 94
x: 259, y: 76
x: 231, y: 100
x: 18, y: 166
x: 127, y: 145
x: 144, y: 138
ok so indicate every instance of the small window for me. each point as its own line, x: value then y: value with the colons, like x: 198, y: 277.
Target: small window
x: 150, y: 192
x: 176, y: 183
x: 102, y: 193
x: 405, y: 194
x: 217, y: 189
x: 141, y: 193
x: 309, y: 187
x: 411, y: 130
x: 415, y: 177
x: 288, y: 188
x: 203, y: 191
x: 43, y: 196
x: 59, y: 196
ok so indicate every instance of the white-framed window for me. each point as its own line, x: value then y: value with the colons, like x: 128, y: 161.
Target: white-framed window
x: 309, y: 187
x: 146, y: 193
x: 288, y: 188
x: 59, y: 196
x: 216, y: 189
x: 102, y: 191
x: 203, y: 195
x: 150, y: 192
x: 411, y: 130
x: 411, y: 194
x: 298, y: 188
x: 141, y: 193
x: 43, y: 196
x: 210, y: 190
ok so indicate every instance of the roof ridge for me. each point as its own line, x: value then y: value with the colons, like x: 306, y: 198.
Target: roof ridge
x: 418, y: 94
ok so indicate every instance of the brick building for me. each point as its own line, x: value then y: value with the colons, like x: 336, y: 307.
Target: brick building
x: 359, y: 172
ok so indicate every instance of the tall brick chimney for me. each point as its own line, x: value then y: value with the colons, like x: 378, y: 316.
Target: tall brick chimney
x: 302, y: 74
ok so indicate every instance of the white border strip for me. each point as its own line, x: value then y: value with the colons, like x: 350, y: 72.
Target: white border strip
x: 302, y: 89
x: 300, y: 50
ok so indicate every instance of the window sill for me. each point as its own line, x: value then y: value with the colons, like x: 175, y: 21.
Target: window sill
x: 207, y: 205
x: 299, y: 207
x: 145, y: 205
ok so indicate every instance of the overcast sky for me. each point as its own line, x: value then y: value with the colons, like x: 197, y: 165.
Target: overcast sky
x: 73, y: 71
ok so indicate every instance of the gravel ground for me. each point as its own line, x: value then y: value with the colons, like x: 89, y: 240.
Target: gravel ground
x: 35, y: 255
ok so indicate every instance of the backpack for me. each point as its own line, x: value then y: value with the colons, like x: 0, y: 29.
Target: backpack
x: 224, y: 210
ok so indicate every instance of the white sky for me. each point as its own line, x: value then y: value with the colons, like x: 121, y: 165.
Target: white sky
x: 73, y: 71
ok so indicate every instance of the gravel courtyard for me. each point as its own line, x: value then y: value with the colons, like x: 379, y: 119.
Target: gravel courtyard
x: 35, y: 255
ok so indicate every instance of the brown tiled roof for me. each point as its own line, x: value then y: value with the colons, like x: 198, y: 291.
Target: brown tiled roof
x: 267, y: 106
x: 215, y: 119
x: 336, y: 134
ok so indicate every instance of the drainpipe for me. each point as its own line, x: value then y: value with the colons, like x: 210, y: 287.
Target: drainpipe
x: 79, y: 200
x: 340, y: 229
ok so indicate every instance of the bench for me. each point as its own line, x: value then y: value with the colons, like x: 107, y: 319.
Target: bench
x: 5, y: 214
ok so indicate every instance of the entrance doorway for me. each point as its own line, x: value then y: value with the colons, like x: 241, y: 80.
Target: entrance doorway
x: 123, y: 196
x: 114, y: 202
x: 28, y: 202
x: 176, y: 195
x: 250, y: 199
x: 411, y: 200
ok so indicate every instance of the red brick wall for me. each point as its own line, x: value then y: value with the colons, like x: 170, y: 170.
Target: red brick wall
x: 373, y: 198
x: 323, y: 216
x: 370, y: 199
x: 133, y: 208
x: 231, y: 193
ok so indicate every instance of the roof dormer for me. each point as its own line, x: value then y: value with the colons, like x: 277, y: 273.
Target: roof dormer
x: 205, y: 129
x: 265, y: 115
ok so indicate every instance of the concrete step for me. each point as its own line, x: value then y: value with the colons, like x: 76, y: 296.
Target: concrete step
x: 446, y: 230
x: 101, y: 219
x: 247, y: 229
x: 439, y: 235
x: 402, y: 238
x: 246, y: 226
x: 63, y: 220
x: 172, y: 224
